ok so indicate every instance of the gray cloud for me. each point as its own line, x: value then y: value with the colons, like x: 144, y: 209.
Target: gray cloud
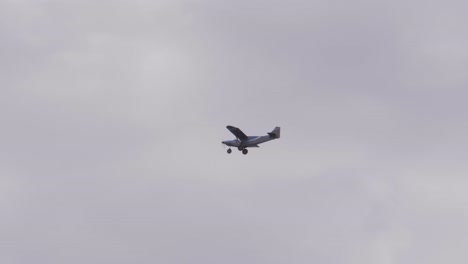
x: 112, y: 115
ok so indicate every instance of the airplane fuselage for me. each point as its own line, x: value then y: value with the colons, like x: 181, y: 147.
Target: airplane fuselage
x: 250, y: 142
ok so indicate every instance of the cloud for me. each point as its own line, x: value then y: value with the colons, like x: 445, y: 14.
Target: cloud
x: 113, y: 113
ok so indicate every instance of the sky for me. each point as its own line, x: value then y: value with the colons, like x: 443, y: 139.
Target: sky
x: 112, y: 114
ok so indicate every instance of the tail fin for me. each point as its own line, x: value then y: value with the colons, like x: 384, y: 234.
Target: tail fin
x: 276, y: 133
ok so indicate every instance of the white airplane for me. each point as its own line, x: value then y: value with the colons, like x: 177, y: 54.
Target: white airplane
x: 242, y: 141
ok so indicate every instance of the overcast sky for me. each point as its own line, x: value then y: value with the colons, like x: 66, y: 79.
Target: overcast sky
x: 112, y: 114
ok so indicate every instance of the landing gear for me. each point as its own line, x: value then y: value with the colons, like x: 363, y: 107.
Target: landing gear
x: 240, y: 148
x: 244, y: 150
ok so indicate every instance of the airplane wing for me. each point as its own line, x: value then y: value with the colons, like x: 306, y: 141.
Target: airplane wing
x: 237, y: 132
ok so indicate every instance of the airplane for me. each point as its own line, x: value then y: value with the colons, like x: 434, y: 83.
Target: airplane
x: 242, y: 141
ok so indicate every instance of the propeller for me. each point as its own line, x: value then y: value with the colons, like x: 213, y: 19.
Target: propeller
x: 223, y: 146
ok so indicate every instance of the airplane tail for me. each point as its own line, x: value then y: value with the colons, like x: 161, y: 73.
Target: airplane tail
x: 276, y: 133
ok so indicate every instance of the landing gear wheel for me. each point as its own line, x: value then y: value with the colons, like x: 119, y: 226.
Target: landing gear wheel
x: 245, y: 151
x: 229, y: 151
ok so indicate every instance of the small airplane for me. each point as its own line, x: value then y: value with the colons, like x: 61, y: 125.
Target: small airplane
x: 242, y: 141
